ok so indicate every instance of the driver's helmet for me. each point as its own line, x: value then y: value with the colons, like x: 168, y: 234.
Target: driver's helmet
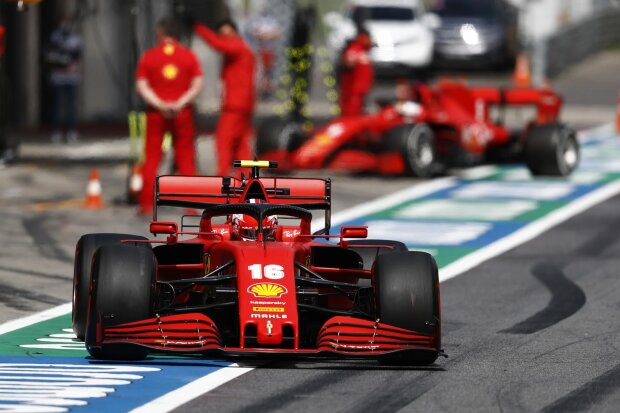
x: 245, y: 227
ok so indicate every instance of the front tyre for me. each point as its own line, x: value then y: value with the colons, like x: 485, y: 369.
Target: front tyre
x: 84, y: 250
x: 406, y: 290
x: 416, y: 144
x: 551, y: 150
x: 122, y: 291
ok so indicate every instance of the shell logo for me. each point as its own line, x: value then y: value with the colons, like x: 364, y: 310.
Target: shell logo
x: 168, y: 49
x: 323, y: 139
x: 170, y: 71
x: 262, y: 290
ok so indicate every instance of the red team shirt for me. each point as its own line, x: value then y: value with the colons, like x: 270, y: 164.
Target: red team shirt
x: 169, y: 68
x: 359, y: 78
x: 355, y: 81
x: 237, y: 69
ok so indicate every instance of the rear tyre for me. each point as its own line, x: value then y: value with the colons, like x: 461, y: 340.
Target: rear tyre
x: 406, y: 290
x: 416, y: 143
x: 276, y: 134
x: 551, y: 150
x: 122, y: 291
x: 84, y: 251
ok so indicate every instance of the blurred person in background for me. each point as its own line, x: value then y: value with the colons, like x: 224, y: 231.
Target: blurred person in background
x: 234, y: 127
x: 168, y: 78
x: 63, y: 54
x: 403, y: 92
x: 6, y: 152
x: 265, y: 31
x: 356, y: 74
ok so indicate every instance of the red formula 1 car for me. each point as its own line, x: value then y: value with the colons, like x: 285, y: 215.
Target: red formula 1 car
x: 252, y: 279
x: 446, y: 125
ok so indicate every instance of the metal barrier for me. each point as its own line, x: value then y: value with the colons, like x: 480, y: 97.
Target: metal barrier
x: 550, y: 56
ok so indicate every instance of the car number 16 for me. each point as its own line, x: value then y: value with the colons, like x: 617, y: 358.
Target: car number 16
x: 271, y: 271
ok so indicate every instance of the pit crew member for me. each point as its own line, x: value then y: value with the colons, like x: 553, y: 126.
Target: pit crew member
x: 234, y: 128
x: 168, y: 78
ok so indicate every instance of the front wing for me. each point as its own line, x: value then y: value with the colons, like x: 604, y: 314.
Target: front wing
x: 196, y: 333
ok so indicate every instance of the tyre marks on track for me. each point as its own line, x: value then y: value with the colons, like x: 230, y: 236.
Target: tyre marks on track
x: 43, y: 240
x: 588, y: 396
x: 318, y: 384
x: 606, y: 236
x: 391, y: 389
x: 25, y: 300
x: 396, y: 392
x: 566, y: 299
x: 36, y: 274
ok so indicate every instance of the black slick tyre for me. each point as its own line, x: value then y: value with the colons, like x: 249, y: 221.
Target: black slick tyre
x: 416, y: 144
x: 406, y: 291
x: 276, y: 134
x: 84, y: 251
x: 551, y: 150
x: 122, y: 291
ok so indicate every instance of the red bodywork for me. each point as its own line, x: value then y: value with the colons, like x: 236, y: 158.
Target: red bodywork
x: 258, y: 296
x: 457, y: 114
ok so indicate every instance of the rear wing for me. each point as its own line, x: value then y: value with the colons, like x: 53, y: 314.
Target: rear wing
x: 547, y: 103
x: 203, y: 191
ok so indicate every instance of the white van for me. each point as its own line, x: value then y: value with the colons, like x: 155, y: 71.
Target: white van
x: 402, y: 31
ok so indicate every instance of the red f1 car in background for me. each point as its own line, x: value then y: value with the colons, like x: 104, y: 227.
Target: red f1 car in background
x: 252, y: 279
x: 445, y: 125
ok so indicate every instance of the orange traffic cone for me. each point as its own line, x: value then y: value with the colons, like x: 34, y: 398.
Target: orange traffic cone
x: 522, y: 76
x: 135, y: 183
x: 93, y: 191
x: 618, y: 115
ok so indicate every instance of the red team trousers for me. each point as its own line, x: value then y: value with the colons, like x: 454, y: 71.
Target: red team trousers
x: 232, y: 136
x: 182, y: 129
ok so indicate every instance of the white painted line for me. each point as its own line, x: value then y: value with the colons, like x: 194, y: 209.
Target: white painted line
x: 168, y: 401
x: 35, y: 318
x: 476, y: 172
x: 407, y: 194
x: 529, y: 231
x: 598, y: 133
x: 182, y: 395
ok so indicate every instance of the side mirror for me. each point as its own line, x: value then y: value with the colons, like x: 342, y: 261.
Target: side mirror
x: 353, y: 232
x: 161, y: 227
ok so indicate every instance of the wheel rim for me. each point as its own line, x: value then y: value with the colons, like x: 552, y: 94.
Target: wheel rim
x: 285, y: 136
x: 420, y: 150
x: 568, y: 154
x: 426, y: 154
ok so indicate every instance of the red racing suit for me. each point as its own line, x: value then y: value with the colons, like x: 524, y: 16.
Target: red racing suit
x: 169, y: 69
x: 234, y: 128
x: 356, y: 79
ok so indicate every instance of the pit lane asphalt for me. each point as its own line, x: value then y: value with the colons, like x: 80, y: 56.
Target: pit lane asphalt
x: 532, y: 330
x: 501, y: 359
